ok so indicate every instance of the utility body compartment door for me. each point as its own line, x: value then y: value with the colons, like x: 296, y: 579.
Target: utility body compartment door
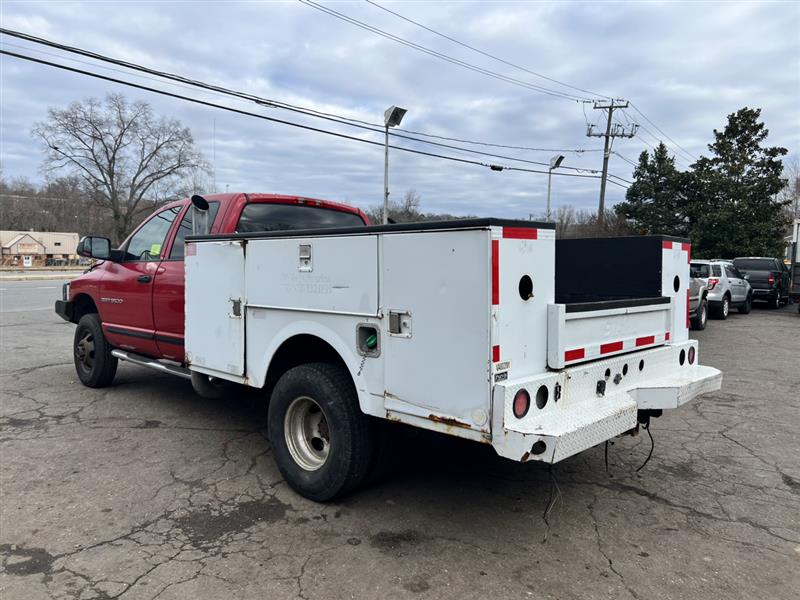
x: 214, y: 305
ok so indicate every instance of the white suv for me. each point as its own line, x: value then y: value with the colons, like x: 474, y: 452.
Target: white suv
x: 727, y: 287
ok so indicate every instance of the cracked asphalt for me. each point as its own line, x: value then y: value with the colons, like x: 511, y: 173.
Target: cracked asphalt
x: 144, y: 491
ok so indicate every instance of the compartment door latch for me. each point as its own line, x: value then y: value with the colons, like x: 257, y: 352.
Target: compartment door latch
x: 236, y: 308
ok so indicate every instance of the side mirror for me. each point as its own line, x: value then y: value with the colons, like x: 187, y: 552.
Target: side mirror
x: 94, y: 247
x: 747, y: 277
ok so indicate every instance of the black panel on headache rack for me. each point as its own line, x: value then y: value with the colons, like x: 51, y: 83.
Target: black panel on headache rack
x: 601, y: 269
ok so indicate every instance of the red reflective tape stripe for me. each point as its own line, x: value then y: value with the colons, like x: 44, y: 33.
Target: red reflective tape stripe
x: 666, y: 337
x: 610, y: 347
x: 646, y: 340
x: 495, y: 353
x: 687, y: 309
x: 520, y: 233
x: 495, y: 271
x: 576, y: 354
x: 688, y: 249
x: 666, y: 245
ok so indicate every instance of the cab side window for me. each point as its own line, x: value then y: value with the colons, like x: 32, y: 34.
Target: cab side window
x: 146, y: 243
x: 185, y: 228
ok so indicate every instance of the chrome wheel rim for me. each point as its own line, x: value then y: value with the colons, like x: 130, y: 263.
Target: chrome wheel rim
x: 84, y: 351
x: 305, y: 429
x: 704, y: 315
x: 725, y: 307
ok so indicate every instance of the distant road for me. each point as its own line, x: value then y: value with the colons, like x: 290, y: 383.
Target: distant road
x: 29, y: 296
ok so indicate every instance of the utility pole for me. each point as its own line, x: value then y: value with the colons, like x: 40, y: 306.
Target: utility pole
x: 611, y: 132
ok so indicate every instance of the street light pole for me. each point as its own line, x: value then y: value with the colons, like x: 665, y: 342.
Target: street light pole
x: 555, y: 162
x: 391, y: 118
x: 386, y: 179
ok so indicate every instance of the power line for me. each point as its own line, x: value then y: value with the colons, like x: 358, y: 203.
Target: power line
x: 516, y: 66
x: 461, y: 63
x: 442, y: 56
x: 625, y: 158
x: 692, y: 156
x: 276, y: 103
x: 482, y: 52
x: 280, y: 121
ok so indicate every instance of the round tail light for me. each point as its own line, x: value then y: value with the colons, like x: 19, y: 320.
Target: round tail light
x: 522, y: 402
x: 691, y: 355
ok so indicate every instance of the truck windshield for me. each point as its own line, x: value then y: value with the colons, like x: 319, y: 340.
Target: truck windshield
x: 698, y: 270
x: 754, y: 264
x: 280, y: 217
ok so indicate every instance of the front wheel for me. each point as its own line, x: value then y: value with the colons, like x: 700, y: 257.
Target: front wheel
x: 321, y: 440
x: 92, y: 353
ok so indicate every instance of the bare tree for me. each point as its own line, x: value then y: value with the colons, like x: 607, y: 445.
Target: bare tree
x: 791, y: 192
x: 127, y: 158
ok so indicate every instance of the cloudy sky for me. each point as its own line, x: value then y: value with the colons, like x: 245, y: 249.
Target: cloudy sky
x: 684, y: 65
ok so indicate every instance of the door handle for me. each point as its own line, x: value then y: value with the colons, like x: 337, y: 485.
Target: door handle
x: 144, y: 279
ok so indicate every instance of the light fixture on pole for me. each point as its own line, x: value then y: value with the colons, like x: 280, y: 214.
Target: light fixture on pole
x: 391, y: 118
x: 555, y: 162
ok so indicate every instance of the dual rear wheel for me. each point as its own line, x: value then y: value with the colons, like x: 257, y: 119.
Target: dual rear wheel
x: 322, y: 443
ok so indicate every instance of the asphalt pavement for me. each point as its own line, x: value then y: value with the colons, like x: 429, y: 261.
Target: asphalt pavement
x: 144, y: 491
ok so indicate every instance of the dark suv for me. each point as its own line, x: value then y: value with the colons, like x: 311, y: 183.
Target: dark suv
x: 769, y: 278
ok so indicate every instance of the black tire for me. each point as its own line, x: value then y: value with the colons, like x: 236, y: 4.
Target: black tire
x: 723, y: 309
x: 775, y: 302
x: 350, y: 434
x: 211, y: 388
x: 699, y: 322
x: 92, y: 353
x: 747, y: 306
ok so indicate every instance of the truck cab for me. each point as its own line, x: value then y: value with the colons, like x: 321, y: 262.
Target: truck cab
x: 137, y: 291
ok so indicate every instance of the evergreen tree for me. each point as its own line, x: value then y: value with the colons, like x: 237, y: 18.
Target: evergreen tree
x: 731, y: 196
x: 654, y: 203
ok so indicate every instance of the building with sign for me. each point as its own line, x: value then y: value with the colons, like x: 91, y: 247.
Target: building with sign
x: 38, y: 248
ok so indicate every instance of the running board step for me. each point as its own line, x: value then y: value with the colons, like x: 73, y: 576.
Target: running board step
x: 152, y: 363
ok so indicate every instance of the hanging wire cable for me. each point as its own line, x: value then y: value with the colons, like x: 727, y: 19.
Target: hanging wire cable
x: 636, y: 108
x: 469, y: 66
x: 486, y: 54
x: 493, y: 167
x: 442, y: 56
x: 219, y: 90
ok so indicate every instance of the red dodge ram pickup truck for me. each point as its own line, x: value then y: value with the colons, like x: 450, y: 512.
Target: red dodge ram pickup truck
x: 133, y: 300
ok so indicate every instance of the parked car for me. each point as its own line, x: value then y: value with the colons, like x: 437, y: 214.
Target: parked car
x: 768, y: 276
x: 727, y: 287
x: 698, y: 298
x: 794, y: 288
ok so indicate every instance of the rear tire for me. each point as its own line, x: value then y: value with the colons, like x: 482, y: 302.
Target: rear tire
x: 776, y: 301
x: 92, y: 353
x: 321, y: 440
x: 699, y: 322
x: 722, y: 310
x: 747, y: 306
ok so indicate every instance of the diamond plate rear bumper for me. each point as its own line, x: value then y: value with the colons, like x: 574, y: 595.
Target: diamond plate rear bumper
x: 583, y: 416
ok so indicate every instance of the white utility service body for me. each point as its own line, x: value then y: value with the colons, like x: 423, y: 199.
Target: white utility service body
x: 466, y: 315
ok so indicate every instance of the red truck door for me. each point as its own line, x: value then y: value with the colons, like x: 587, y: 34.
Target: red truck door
x: 168, y: 289
x: 126, y: 303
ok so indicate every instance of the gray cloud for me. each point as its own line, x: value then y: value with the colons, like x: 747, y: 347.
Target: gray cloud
x: 686, y: 65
